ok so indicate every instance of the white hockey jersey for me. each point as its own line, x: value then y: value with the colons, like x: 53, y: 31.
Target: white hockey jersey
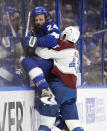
x: 66, y: 61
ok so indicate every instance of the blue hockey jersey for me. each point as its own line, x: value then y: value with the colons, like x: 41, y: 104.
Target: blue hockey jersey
x: 48, y: 37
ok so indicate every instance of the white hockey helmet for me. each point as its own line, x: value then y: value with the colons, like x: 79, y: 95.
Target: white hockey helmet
x: 71, y: 33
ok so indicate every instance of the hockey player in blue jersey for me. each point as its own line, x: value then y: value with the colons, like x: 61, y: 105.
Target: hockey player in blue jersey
x: 44, y: 34
x: 65, y: 72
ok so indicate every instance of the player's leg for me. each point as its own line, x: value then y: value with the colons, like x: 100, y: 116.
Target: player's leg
x: 48, y: 115
x: 59, y: 122
x: 67, y: 98
x: 36, y: 75
x: 74, y: 125
x: 70, y: 115
x: 46, y: 123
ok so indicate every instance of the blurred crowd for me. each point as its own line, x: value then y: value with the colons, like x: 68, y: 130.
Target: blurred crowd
x: 13, y: 17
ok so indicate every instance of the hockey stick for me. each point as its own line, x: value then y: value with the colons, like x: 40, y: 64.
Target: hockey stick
x: 28, y: 20
x: 27, y: 25
x: 12, y: 29
x: 5, y: 40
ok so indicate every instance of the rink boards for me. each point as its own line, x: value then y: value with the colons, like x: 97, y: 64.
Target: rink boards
x: 92, y: 107
x: 17, y: 108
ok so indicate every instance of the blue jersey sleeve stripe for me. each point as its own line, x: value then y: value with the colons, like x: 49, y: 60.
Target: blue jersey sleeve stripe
x: 56, y: 35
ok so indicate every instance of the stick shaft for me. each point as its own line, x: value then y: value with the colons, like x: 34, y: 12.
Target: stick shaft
x: 28, y: 22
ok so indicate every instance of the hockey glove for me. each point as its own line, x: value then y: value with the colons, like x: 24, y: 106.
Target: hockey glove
x: 29, y: 41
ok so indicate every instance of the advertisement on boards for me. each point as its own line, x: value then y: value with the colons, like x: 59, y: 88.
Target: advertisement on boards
x: 92, y: 108
x: 17, y: 109
x: 17, y: 112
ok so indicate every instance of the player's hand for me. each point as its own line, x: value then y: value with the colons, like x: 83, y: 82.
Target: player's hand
x: 32, y: 41
x: 29, y: 41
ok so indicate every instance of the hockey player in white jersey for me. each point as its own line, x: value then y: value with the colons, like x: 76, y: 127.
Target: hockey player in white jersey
x: 63, y: 84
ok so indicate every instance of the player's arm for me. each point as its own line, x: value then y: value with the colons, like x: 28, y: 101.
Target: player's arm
x: 53, y: 34
x: 49, y: 40
x: 27, y: 41
x: 53, y: 54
